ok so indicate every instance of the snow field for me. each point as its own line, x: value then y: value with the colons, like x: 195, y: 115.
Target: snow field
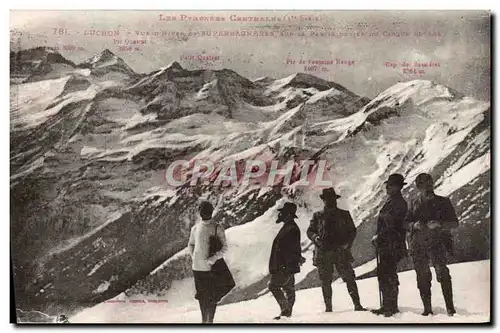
x: 471, y: 295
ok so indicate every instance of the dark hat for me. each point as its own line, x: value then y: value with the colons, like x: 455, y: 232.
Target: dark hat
x: 329, y: 193
x: 396, y: 179
x: 424, y: 177
x: 206, y: 208
x: 290, y: 208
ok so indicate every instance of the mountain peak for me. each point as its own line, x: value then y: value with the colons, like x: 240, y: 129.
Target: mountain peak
x: 175, y: 65
x: 107, y: 52
x: 28, y: 62
x: 36, y: 52
x: 423, y: 87
x: 47, y: 49
x: 106, y: 60
x: 101, y: 57
x: 303, y: 80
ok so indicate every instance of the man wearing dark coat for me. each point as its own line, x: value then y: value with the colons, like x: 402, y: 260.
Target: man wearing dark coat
x: 429, y: 219
x: 332, y: 230
x: 285, y: 260
x: 390, y: 243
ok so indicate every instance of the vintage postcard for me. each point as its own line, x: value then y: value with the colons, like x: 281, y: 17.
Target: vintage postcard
x: 250, y: 166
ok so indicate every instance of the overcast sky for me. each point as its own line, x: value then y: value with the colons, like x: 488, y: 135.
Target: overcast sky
x: 458, y: 40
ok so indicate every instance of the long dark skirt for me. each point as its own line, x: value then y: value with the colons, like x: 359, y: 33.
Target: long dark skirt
x: 205, y: 285
x: 214, y: 285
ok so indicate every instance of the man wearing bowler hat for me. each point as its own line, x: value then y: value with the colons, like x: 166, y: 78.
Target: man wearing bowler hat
x: 285, y: 260
x: 333, y: 231
x: 390, y: 243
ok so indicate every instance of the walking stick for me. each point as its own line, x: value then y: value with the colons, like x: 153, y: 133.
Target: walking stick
x: 378, y: 277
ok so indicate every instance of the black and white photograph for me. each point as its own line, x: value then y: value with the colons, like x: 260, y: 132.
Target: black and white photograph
x: 250, y: 167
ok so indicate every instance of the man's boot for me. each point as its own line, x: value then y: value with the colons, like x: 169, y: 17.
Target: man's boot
x: 396, y: 296
x: 383, y: 291
x: 327, y: 297
x: 426, y: 300
x: 352, y: 288
x: 391, y: 307
x: 447, y: 289
x: 282, y: 302
x: 290, y: 297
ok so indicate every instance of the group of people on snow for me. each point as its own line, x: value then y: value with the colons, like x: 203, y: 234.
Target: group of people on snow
x: 420, y: 229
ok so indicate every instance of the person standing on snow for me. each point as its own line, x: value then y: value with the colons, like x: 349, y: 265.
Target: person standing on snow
x: 332, y: 230
x: 390, y: 243
x: 199, y: 248
x: 285, y: 260
x: 429, y: 220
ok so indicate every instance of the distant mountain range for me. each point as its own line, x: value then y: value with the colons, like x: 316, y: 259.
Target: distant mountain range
x: 92, y: 217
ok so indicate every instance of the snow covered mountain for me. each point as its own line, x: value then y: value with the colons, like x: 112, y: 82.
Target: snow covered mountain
x: 31, y: 64
x: 106, y: 62
x: 90, y: 146
x: 45, y: 63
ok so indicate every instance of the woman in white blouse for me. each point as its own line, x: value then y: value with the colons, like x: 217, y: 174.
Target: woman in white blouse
x: 199, y: 247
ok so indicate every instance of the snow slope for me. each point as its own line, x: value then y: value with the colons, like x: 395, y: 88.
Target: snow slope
x: 471, y: 294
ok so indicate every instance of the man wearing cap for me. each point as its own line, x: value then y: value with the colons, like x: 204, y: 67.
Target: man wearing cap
x: 390, y: 243
x: 429, y: 219
x: 333, y: 231
x: 285, y: 260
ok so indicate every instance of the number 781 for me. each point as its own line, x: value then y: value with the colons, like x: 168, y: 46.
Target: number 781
x: 60, y: 31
